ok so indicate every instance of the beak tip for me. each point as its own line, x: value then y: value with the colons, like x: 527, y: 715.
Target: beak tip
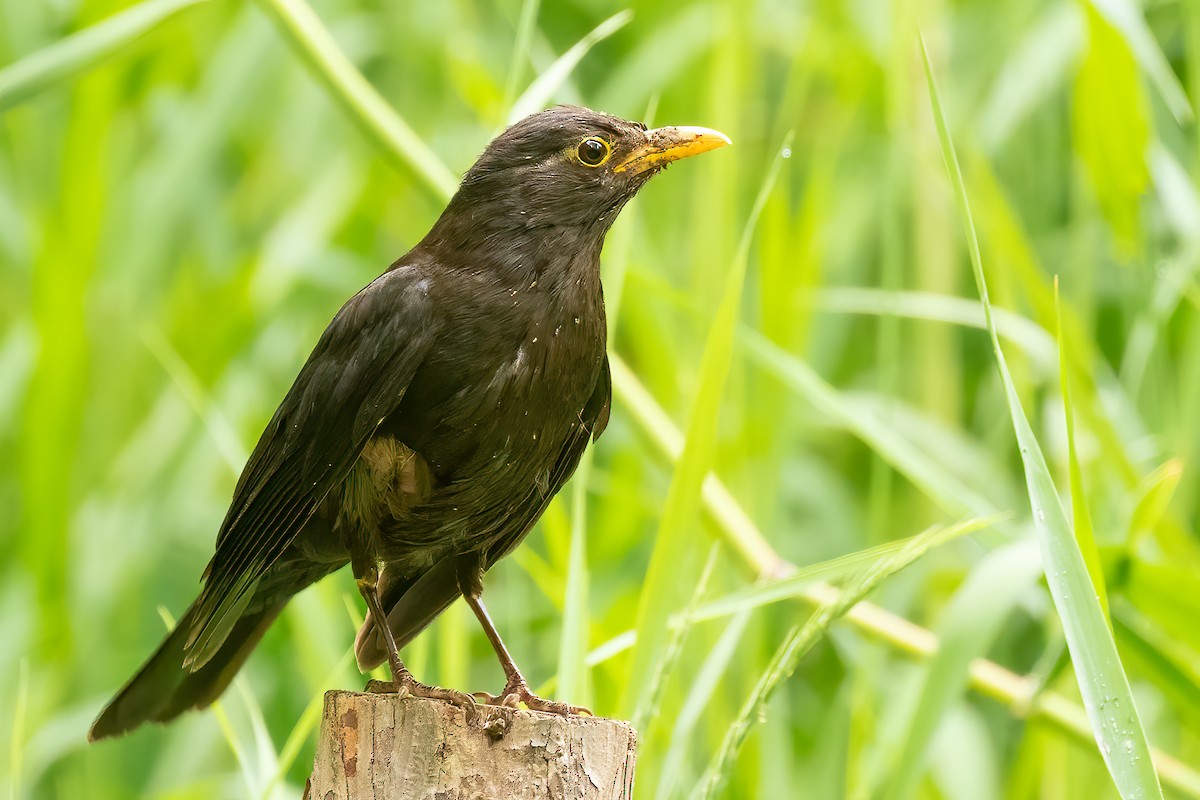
x: 713, y: 138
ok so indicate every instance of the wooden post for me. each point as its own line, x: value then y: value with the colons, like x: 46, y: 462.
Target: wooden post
x: 377, y: 746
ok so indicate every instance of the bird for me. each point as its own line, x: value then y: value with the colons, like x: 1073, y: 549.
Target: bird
x: 439, y: 412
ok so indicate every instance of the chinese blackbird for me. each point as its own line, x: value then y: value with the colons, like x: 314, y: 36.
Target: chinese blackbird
x: 441, y: 410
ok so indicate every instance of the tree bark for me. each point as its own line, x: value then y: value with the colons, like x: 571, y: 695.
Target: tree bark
x: 378, y: 746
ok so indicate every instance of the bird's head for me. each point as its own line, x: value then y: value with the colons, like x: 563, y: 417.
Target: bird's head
x: 566, y: 172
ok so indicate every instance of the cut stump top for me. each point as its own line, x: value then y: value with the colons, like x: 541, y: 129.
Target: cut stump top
x: 379, y: 746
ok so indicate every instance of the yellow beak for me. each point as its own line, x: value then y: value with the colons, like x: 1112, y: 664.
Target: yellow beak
x: 664, y: 145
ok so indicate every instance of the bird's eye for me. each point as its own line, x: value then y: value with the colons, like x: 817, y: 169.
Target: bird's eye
x: 593, y: 151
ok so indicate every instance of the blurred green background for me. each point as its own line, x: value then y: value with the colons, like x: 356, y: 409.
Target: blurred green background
x: 184, y: 204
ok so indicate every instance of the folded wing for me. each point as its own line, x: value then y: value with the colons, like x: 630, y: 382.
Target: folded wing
x: 354, y: 379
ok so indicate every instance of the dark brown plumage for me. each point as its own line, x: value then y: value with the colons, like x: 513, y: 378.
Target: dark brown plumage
x: 441, y: 410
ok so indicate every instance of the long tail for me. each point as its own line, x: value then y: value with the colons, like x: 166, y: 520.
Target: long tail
x: 162, y: 689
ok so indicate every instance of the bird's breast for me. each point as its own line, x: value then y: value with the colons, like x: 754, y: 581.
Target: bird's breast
x: 503, y: 394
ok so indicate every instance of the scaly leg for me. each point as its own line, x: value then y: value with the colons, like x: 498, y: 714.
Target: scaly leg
x: 516, y: 690
x: 367, y: 579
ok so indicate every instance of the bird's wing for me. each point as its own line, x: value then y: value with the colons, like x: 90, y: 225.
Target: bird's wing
x: 353, y: 380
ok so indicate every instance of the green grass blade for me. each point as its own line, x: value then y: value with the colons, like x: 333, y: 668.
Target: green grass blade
x: 266, y: 760
x: 453, y: 645
x: 672, y: 649
x: 802, y: 638
x: 223, y: 435
x: 548, y: 580
x: 1168, y: 662
x: 969, y: 625
x: 663, y: 593
x: 703, y: 687
x: 1081, y: 516
x: 235, y: 747
x: 365, y: 106
x: 16, y: 746
x: 794, y: 586
x: 1111, y: 129
x: 1110, y: 420
x: 1038, y: 65
x: 519, y: 62
x: 304, y: 727
x: 1153, y: 495
x: 1126, y: 17
x: 666, y: 52
x: 572, y: 684
x: 734, y: 526
x: 543, y: 88
x: 83, y: 50
x: 1102, y: 681
x: 223, y: 721
x: 1035, y: 341
x: 951, y: 494
x: 1169, y: 594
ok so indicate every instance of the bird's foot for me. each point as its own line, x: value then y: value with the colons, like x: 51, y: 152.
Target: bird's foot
x: 517, y: 693
x: 405, y: 685
x: 414, y: 688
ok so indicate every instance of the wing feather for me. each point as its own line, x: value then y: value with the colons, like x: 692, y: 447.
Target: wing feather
x: 353, y: 380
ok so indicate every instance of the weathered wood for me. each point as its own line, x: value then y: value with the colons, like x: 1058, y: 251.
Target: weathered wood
x: 378, y: 746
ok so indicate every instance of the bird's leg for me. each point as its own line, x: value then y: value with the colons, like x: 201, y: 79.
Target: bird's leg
x: 368, y: 587
x: 367, y: 578
x: 516, y: 689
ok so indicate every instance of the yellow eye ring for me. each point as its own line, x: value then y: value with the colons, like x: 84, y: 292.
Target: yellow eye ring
x: 593, y: 151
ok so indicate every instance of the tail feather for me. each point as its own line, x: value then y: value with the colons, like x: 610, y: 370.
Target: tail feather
x: 163, y: 689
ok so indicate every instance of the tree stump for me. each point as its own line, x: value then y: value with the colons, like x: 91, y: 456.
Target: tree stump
x: 379, y: 746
